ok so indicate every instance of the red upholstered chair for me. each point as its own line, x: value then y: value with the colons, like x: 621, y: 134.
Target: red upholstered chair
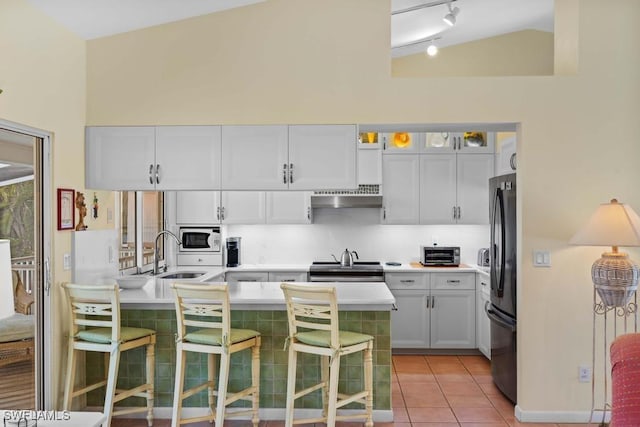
x: 625, y: 375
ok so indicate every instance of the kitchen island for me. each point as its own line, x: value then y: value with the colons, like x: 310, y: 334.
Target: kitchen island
x: 364, y: 307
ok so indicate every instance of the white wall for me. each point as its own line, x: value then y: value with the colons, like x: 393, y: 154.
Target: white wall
x: 333, y: 230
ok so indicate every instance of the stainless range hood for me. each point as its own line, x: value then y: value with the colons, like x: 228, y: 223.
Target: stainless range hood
x: 346, y: 201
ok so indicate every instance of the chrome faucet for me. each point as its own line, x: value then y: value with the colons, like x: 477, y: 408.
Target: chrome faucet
x: 156, y: 260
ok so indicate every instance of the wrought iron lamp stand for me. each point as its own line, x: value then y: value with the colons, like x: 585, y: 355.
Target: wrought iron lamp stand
x: 622, y: 320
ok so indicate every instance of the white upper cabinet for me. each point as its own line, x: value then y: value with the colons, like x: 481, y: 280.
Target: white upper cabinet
x: 289, y: 207
x: 300, y: 157
x: 255, y: 158
x: 402, y: 142
x: 198, y: 207
x: 454, y: 188
x: 120, y: 158
x: 322, y: 157
x: 438, y: 188
x: 401, y: 189
x: 243, y: 207
x: 473, y: 173
x: 188, y: 157
x: 462, y: 142
x: 152, y: 158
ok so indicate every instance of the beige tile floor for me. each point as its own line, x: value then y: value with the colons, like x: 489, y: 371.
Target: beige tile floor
x: 428, y: 391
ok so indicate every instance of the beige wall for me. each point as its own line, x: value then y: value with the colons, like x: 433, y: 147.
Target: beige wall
x: 523, y: 53
x: 288, y: 61
x: 43, y: 77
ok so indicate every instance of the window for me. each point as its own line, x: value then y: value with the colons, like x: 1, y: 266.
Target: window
x: 141, y: 218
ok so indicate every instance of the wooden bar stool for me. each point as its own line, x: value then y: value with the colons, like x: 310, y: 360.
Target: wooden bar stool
x: 312, y: 312
x: 94, y: 319
x: 204, y: 326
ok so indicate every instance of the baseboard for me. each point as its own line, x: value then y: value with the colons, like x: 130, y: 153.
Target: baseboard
x: 561, y: 416
x: 267, y: 414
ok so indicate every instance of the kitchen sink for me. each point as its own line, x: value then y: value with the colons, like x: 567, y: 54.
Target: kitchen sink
x: 182, y: 275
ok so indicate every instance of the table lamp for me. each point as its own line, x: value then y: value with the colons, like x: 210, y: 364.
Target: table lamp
x: 614, y: 275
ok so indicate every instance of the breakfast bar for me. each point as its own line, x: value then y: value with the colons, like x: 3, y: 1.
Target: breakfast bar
x: 364, y: 307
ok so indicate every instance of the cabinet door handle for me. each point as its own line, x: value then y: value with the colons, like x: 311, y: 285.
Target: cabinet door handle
x: 290, y: 173
x: 384, y: 213
x: 512, y: 161
x: 459, y: 213
x: 151, y: 174
x: 284, y: 173
x: 157, y: 174
x: 309, y: 213
x: 407, y: 281
x: 223, y: 210
x: 433, y: 302
x: 453, y: 281
x: 454, y: 212
x: 218, y: 213
x: 428, y: 302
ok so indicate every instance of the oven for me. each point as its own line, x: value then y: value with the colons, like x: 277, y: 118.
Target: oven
x: 360, y: 271
x: 440, y: 255
x: 200, y: 239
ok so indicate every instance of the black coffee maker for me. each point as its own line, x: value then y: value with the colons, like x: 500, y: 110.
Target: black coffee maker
x: 233, y: 251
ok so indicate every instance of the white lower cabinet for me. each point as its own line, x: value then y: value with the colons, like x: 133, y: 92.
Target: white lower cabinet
x: 288, y: 276
x: 483, y: 324
x: 233, y: 277
x: 434, y: 310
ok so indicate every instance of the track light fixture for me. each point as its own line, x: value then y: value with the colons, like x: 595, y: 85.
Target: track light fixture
x: 450, y: 18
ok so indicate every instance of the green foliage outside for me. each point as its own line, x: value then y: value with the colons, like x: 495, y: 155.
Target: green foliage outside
x: 17, y: 217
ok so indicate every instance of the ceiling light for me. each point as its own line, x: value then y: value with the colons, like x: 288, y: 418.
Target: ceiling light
x: 432, y: 50
x: 450, y: 18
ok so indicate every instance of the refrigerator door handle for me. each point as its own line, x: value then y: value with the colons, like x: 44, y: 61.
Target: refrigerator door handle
x: 498, y: 318
x: 498, y: 249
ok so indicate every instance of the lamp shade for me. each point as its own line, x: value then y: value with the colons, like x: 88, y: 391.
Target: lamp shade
x: 614, y: 275
x: 612, y: 224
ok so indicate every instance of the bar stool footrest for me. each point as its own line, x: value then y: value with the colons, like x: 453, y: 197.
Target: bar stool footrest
x: 309, y: 390
x: 345, y: 399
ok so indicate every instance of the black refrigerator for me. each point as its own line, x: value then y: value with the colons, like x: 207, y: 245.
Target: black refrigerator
x: 502, y: 308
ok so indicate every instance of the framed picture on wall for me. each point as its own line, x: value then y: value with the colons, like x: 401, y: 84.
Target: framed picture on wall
x: 66, y: 211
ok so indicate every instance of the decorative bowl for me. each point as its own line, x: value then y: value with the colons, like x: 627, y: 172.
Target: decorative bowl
x: 132, y: 282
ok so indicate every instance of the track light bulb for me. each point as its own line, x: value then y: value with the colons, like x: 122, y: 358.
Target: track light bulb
x: 432, y: 50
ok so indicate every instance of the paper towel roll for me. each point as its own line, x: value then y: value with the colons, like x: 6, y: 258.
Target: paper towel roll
x: 6, y: 283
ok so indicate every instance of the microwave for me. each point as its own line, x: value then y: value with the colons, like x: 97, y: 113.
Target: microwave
x: 200, y: 239
x: 440, y: 255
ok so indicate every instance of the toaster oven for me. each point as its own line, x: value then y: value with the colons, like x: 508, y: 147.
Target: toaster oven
x: 440, y: 255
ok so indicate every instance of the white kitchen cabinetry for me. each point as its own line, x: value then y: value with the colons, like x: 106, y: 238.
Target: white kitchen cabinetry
x: 297, y: 157
x: 255, y: 157
x: 288, y: 276
x: 322, y: 157
x: 233, y: 277
x: 506, y: 153
x: 461, y: 142
x: 202, y: 259
x: 402, y: 142
x: 483, y: 324
x: 401, y: 189
x: 435, y: 310
x: 197, y: 207
x: 453, y: 310
x: 152, y: 158
x: 289, y: 207
x: 410, y: 322
x: 453, y: 188
x: 243, y: 207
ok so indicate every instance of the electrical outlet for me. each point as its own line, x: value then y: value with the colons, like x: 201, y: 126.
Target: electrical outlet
x: 584, y: 374
x: 66, y: 261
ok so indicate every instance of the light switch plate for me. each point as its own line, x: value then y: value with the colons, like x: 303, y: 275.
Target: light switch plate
x: 66, y: 261
x: 541, y: 259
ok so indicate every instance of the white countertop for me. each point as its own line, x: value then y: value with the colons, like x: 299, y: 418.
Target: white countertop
x: 404, y: 267
x: 408, y: 268
x: 359, y: 296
